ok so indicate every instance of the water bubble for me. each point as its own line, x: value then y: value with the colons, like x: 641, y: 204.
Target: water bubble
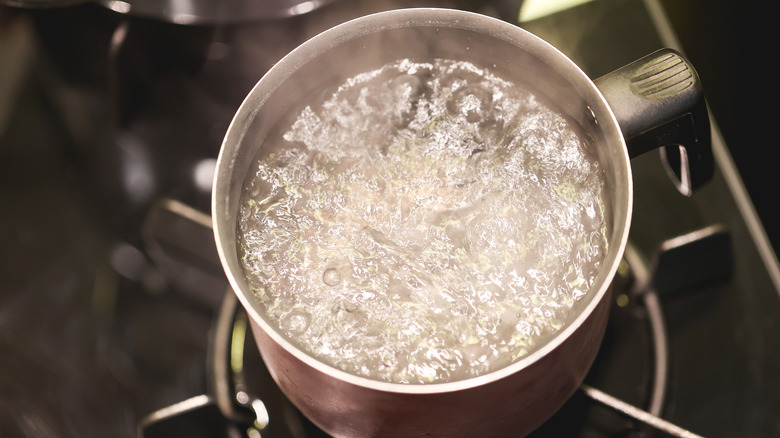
x: 407, y: 86
x: 295, y: 322
x: 472, y: 101
x: 331, y: 277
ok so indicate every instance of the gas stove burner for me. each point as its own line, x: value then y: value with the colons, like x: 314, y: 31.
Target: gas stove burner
x: 623, y: 394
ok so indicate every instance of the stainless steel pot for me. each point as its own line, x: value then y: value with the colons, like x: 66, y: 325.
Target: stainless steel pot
x: 654, y: 102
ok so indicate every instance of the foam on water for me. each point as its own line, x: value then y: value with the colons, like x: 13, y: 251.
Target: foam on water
x: 427, y: 222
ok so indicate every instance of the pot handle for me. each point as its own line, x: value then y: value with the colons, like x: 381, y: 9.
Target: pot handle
x: 659, y: 103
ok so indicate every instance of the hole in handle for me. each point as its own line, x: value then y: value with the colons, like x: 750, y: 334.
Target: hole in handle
x: 675, y: 159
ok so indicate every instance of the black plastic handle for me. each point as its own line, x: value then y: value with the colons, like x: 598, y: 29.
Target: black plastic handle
x: 659, y: 103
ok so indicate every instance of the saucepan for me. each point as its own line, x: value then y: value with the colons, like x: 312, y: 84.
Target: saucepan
x: 655, y: 102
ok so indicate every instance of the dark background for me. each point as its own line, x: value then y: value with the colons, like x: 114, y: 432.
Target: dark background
x: 732, y: 45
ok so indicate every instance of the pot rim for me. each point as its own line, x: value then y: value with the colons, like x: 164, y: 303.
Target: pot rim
x: 404, y: 18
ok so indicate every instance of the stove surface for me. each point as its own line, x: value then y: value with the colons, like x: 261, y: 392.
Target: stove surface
x: 108, y: 312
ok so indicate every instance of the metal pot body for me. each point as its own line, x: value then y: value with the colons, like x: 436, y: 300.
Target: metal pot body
x: 508, y: 402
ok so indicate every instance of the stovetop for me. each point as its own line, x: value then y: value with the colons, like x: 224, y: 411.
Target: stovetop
x: 108, y: 310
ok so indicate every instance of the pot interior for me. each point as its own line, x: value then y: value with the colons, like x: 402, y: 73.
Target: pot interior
x: 371, y: 42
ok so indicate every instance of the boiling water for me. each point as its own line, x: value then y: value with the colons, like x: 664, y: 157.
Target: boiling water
x: 425, y: 222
